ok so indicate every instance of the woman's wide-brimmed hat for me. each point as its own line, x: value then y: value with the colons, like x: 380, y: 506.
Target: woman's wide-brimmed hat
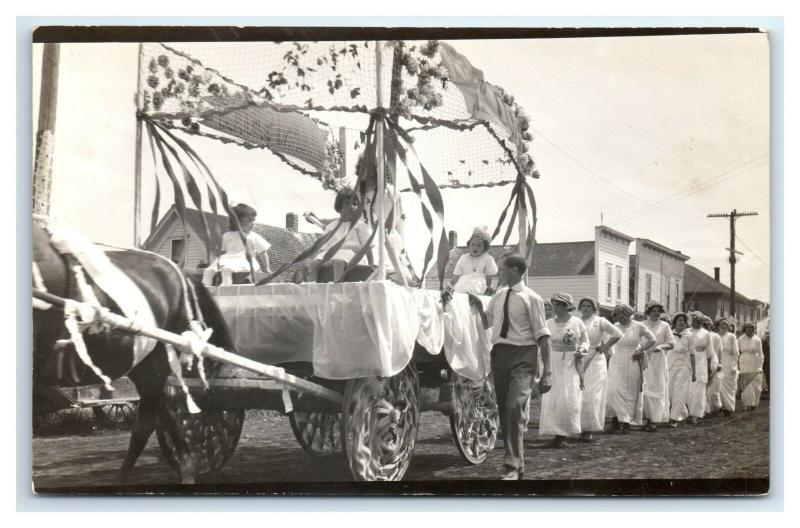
x: 677, y: 315
x: 749, y: 324
x: 623, y: 309
x: 482, y: 233
x: 697, y: 316
x: 590, y: 300
x: 653, y: 304
x: 720, y: 321
x: 563, y: 298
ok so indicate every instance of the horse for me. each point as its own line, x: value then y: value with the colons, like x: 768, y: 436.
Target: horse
x: 169, y: 294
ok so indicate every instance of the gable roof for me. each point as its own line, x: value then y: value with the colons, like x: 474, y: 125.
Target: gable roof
x: 285, y: 244
x: 695, y: 281
x: 549, y: 259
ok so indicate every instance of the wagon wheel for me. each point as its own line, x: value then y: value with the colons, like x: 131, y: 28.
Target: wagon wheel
x: 211, y: 435
x: 380, y: 423
x: 319, y: 433
x: 475, y: 418
x: 115, y: 414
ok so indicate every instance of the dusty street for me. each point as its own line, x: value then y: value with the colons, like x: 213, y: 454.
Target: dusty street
x: 718, y: 448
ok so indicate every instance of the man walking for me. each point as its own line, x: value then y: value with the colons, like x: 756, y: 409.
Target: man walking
x: 516, y: 316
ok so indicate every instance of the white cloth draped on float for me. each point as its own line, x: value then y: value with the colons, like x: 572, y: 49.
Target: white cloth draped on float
x: 561, y: 405
x: 713, y: 394
x: 655, y: 386
x: 595, y: 376
x: 680, y: 376
x: 730, y: 371
x: 624, y: 375
x: 697, y: 389
x: 751, y: 365
x: 352, y: 330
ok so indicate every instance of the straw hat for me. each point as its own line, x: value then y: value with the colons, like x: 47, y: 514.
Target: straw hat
x: 589, y: 299
x: 563, y: 298
x: 653, y: 304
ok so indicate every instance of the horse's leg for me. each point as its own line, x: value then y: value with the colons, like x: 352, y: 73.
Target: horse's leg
x: 149, y: 376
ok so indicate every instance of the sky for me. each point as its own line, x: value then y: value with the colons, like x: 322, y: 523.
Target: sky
x: 648, y: 133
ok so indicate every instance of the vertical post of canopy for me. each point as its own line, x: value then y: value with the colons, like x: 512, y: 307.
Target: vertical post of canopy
x: 137, y: 183
x: 380, y: 192
x: 523, y: 235
x: 45, y: 134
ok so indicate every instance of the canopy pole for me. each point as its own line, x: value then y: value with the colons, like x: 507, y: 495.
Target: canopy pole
x: 137, y: 168
x: 380, y: 190
x: 523, y: 235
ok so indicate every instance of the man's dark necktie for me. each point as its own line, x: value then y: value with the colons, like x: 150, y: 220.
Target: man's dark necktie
x: 504, y: 328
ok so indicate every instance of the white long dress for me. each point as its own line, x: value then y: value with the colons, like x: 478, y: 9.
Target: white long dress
x: 595, y: 376
x: 655, y: 387
x: 751, y: 365
x: 625, y: 375
x: 730, y: 371
x: 680, y: 375
x: 713, y: 395
x: 697, y: 388
x: 561, y: 405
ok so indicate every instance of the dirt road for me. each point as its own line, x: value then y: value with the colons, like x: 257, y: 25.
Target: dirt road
x: 720, y: 448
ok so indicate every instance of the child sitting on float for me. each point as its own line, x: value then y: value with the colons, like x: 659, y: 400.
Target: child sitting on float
x: 348, y: 205
x: 475, y: 269
x: 233, y: 256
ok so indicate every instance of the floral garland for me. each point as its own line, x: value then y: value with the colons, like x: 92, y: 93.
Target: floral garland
x: 523, y: 157
x: 192, y: 91
x: 419, y: 63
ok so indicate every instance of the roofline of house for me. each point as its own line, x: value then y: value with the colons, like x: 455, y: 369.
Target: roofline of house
x: 708, y: 279
x: 155, y: 233
x: 663, y: 249
x: 606, y: 229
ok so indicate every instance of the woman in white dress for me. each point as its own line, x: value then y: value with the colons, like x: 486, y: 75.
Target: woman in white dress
x: 561, y: 405
x: 697, y: 387
x: 681, y: 369
x: 624, y: 403
x: 602, y: 337
x: 715, y: 374
x: 751, y: 365
x: 730, y: 367
x: 655, y: 387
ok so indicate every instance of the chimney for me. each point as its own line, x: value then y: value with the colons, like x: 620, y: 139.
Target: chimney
x: 292, y: 222
x: 452, y: 238
x: 716, y: 274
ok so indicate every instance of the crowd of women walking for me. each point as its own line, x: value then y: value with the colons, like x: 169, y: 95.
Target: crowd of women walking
x: 665, y: 370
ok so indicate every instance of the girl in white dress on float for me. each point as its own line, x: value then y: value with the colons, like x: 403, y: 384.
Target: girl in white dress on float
x: 751, y: 365
x: 602, y: 337
x: 233, y: 254
x: 561, y: 405
x: 475, y: 269
x: 697, y: 387
x: 730, y: 367
x: 681, y: 369
x: 655, y: 387
x: 624, y: 403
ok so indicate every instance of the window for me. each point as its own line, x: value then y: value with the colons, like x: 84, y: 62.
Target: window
x: 176, y: 250
x: 669, y: 296
x: 677, y: 295
x: 648, y: 287
x: 619, y: 283
x: 608, y: 281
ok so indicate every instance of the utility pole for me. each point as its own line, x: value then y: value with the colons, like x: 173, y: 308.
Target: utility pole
x: 732, y: 216
x: 45, y: 133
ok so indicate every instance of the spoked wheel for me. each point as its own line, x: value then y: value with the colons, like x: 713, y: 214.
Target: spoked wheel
x: 115, y: 414
x: 475, y: 418
x: 379, y: 425
x: 319, y: 433
x: 211, y: 436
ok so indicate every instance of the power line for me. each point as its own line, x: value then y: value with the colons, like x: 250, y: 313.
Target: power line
x: 751, y: 251
x: 599, y: 177
x: 727, y: 175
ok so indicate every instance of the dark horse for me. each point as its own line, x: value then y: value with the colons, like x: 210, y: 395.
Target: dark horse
x: 112, y: 351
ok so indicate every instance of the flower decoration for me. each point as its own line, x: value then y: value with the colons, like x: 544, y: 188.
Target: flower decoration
x: 569, y: 336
